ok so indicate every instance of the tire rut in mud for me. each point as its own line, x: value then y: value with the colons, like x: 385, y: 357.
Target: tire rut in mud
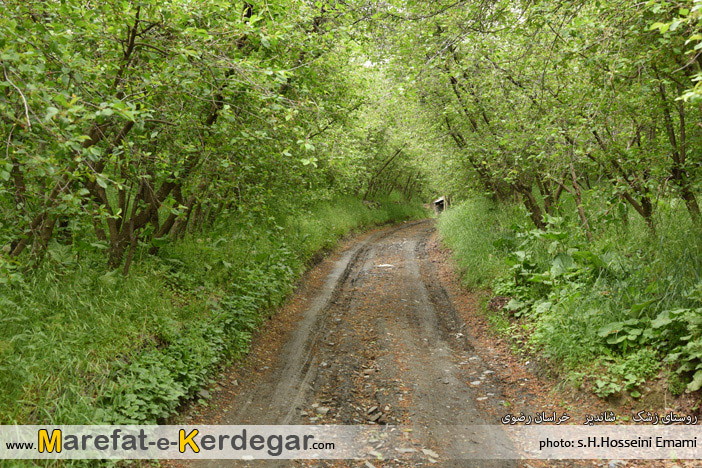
x: 380, y: 344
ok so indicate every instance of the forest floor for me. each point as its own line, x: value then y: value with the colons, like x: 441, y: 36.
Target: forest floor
x: 381, y: 332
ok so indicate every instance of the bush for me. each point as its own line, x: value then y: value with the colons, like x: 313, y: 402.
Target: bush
x: 83, y: 345
x: 628, y: 302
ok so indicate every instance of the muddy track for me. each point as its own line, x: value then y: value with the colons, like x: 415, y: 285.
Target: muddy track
x: 379, y: 343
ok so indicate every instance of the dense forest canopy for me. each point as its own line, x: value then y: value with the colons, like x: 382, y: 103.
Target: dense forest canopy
x: 127, y: 121
x: 541, y: 98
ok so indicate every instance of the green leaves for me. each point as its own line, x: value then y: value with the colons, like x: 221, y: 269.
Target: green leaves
x: 61, y: 254
x: 50, y: 113
x: 616, y: 332
x: 101, y: 181
x: 663, y: 319
x: 610, y: 328
x: 662, y: 27
x: 146, y: 99
x: 308, y: 161
x: 5, y: 172
x: 561, y: 264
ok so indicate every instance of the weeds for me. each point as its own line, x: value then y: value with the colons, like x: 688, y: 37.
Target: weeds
x: 616, y: 310
x: 480, y: 236
x: 83, y: 345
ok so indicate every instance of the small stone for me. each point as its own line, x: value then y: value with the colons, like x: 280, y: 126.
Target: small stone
x: 430, y: 453
x: 476, y: 382
x: 323, y: 410
x: 368, y: 371
x: 482, y: 398
x: 375, y: 417
x: 616, y: 464
x: 303, y: 413
x: 203, y: 394
x: 489, y: 372
x: 406, y: 450
x: 315, y: 405
x: 369, y: 465
x: 372, y: 409
x: 446, y: 381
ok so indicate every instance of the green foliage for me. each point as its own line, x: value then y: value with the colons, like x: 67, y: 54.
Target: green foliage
x: 133, y: 123
x: 676, y: 384
x: 628, y: 373
x: 82, y: 344
x: 168, y: 169
x: 618, y: 309
x: 199, y: 154
x: 601, y: 102
x: 478, y: 231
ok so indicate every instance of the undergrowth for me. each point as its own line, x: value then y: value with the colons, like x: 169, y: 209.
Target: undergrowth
x: 83, y: 345
x: 611, y: 313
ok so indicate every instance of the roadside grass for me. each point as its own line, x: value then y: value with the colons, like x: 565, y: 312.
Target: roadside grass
x: 614, y: 312
x: 83, y: 345
x: 472, y: 230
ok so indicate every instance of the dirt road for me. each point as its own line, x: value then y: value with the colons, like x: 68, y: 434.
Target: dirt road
x: 378, y: 342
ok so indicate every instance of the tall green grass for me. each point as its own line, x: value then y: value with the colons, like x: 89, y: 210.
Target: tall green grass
x: 83, y: 345
x: 472, y: 230
x: 637, y: 275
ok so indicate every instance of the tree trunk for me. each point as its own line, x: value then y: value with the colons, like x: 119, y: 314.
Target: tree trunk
x: 531, y: 205
x: 678, y: 152
x: 579, y: 201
